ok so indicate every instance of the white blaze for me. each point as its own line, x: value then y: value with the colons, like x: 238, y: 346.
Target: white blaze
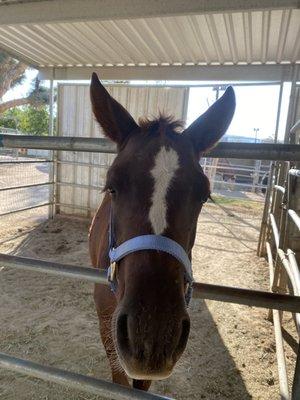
x: 166, y: 164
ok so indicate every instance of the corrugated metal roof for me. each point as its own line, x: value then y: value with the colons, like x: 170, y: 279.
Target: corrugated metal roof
x: 254, y: 37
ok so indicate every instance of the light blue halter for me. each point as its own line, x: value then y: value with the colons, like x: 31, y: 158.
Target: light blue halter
x: 148, y: 242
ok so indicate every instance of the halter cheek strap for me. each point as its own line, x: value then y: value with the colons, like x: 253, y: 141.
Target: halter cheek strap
x: 148, y: 242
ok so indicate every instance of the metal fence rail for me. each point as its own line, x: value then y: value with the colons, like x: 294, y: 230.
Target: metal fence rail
x: 25, y: 209
x: 85, y: 383
x: 255, y: 298
x: 201, y: 290
x: 253, y: 151
x: 26, y: 183
x: 284, y: 271
x: 276, y: 301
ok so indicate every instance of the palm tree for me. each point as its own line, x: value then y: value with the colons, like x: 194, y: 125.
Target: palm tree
x: 12, y: 73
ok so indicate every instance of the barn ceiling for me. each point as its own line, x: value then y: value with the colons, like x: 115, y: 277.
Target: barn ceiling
x: 55, y: 36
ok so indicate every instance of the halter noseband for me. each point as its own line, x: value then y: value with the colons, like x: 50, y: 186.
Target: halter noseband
x: 147, y: 242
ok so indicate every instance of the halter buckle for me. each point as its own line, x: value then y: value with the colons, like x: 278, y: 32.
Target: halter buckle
x: 113, y: 271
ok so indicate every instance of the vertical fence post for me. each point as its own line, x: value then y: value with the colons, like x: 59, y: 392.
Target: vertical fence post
x: 278, y: 112
x: 261, y: 248
x: 292, y: 102
x: 256, y: 174
x: 50, y: 133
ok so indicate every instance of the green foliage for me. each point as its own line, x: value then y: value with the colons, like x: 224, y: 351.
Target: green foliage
x: 35, y: 121
x: 28, y: 119
x: 11, y: 118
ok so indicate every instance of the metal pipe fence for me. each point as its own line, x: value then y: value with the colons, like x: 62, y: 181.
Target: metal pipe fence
x: 284, y: 273
x: 282, y: 370
x: 73, y: 380
x: 25, y: 209
x: 254, y: 298
x: 275, y: 301
x: 251, y: 151
x: 25, y: 162
x: 25, y: 184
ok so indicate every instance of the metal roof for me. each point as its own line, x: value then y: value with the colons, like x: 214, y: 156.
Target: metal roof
x: 239, y: 36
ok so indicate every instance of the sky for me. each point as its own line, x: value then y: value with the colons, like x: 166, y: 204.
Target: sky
x: 256, y: 106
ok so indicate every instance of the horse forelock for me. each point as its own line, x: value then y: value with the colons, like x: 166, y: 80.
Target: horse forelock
x: 162, y: 124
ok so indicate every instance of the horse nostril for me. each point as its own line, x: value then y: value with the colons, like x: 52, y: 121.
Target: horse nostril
x: 185, y: 330
x: 122, y: 330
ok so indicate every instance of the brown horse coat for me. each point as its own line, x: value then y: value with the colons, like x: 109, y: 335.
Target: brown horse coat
x: 155, y: 185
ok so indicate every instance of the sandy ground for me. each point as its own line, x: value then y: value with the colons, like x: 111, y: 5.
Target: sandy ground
x: 231, y: 350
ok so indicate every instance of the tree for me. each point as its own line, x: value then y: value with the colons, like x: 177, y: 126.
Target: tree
x: 35, y: 121
x: 27, y: 119
x: 12, y: 73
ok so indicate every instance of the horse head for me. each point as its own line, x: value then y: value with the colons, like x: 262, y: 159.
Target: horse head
x: 157, y: 187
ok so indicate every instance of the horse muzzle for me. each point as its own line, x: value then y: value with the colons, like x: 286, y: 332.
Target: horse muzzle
x: 148, y: 345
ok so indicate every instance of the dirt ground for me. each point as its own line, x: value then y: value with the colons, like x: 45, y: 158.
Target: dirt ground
x: 51, y: 320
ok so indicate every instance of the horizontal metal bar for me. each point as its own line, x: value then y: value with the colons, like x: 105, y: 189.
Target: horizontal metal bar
x: 80, y: 185
x: 228, y: 73
x: 75, y: 206
x: 172, y: 84
x: 295, y: 218
x: 25, y: 162
x: 255, y: 151
x: 279, y: 188
x: 82, y: 164
x: 236, y: 198
x: 76, y: 381
x: 249, y: 297
x: 25, y: 209
x: 234, y: 168
x: 52, y: 268
x: 97, y: 145
x: 201, y: 290
x: 25, y: 186
x: 275, y: 230
x: 258, y: 186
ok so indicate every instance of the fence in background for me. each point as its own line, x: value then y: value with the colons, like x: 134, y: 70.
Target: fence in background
x: 245, y: 184
x: 25, y: 181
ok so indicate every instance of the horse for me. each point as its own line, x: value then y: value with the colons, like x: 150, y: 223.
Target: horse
x: 154, y: 192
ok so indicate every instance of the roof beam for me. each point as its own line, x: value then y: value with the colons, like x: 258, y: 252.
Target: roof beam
x: 78, y: 10
x: 229, y: 73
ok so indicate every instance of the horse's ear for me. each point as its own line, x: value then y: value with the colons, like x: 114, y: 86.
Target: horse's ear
x: 115, y: 121
x: 208, y: 129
